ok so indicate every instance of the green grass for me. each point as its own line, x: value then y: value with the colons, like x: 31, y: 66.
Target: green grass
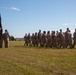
x: 19, y: 60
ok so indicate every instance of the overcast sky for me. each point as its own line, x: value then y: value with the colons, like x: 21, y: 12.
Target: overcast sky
x: 28, y: 16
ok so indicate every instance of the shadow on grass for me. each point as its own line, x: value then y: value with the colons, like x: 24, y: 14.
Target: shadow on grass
x: 35, y: 47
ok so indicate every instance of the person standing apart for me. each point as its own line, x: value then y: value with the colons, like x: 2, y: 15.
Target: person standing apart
x: 74, y: 38
x: 6, y: 39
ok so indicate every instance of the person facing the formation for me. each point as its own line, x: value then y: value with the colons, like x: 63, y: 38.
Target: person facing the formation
x: 6, y: 39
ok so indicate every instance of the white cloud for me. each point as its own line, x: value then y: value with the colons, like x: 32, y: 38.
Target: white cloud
x: 14, y: 8
x: 72, y: 31
x: 11, y: 8
x: 65, y: 24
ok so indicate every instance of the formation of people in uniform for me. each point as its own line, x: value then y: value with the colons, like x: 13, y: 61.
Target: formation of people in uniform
x: 51, y: 39
x: 58, y: 39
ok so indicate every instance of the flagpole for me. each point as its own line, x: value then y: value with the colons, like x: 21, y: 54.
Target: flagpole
x: 1, y: 30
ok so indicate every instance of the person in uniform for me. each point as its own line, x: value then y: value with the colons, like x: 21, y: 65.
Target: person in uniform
x: 54, y: 40
x: 28, y: 39
x: 61, y: 39
x: 25, y: 39
x: 57, y: 38
x: 6, y: 39
x: 49, y: 40
x: 44, y: 38
x: 36, y: 39
x: 68, y: 38
x: 32, y: 39
x: 39, y: 37
x: 74, y: 38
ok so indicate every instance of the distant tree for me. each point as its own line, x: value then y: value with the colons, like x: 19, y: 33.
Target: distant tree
x: 11, y: 38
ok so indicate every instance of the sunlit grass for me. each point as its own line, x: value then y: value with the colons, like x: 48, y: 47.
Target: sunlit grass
x: 20, y: 60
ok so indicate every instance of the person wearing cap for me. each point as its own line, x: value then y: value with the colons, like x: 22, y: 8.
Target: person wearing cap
x: 74, y: 38
x: 61, y: 39
x: 40, y: 37
x: 49, y: 39
x: 6, y: 39
x: 44, y: 38
x: 68, y: 38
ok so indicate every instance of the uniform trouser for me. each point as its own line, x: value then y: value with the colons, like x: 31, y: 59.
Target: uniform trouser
x: 25, y: 43
x: 40, y: 42
x: 61, y: 43
x: 33, y: 42
x: 74, y: 42
x: 28, y: 42
x: 68, y: 42
x: 36, y: 42
x: 43, y: 42
x: 6, y: 43
x: 54, y: 42
x: 49, y: 43
x: 1, y: 42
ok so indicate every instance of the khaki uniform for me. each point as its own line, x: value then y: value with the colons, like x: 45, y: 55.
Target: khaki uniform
x: 54, y: 40
x: 29, y: 40
x: 25, y: 39
x: 57, y: 38
x: 74, y: 37
x: 49, y: 40
x: 68, y: 39
x: 36, y: 40
x: 39, y: 38
x: 61, y: 39
x: 6, y: 39
x: 44, y: 38
x: 32, y: 39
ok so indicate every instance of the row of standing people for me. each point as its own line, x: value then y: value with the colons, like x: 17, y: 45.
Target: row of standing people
x: 5, y: 38
x: 51, y: 39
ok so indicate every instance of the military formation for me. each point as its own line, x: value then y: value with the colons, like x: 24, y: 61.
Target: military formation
x: 57, y: 39
x: 51, y: 39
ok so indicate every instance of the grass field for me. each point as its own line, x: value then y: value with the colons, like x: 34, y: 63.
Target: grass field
x: 19, y: 60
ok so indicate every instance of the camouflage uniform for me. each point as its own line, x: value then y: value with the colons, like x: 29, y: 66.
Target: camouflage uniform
x: 54, y: 40
x: 6, y: 39
x: 39, y: 37
x: 25, y: 39
x: 36, y: 39
x: 49, y: 40
x: 28, y: 40
x: 68, y: 38
x: 44, y: 38
x: 57, y: 38
x: 61, y: 39
x: 74, y: 38
x: 33, y: 40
